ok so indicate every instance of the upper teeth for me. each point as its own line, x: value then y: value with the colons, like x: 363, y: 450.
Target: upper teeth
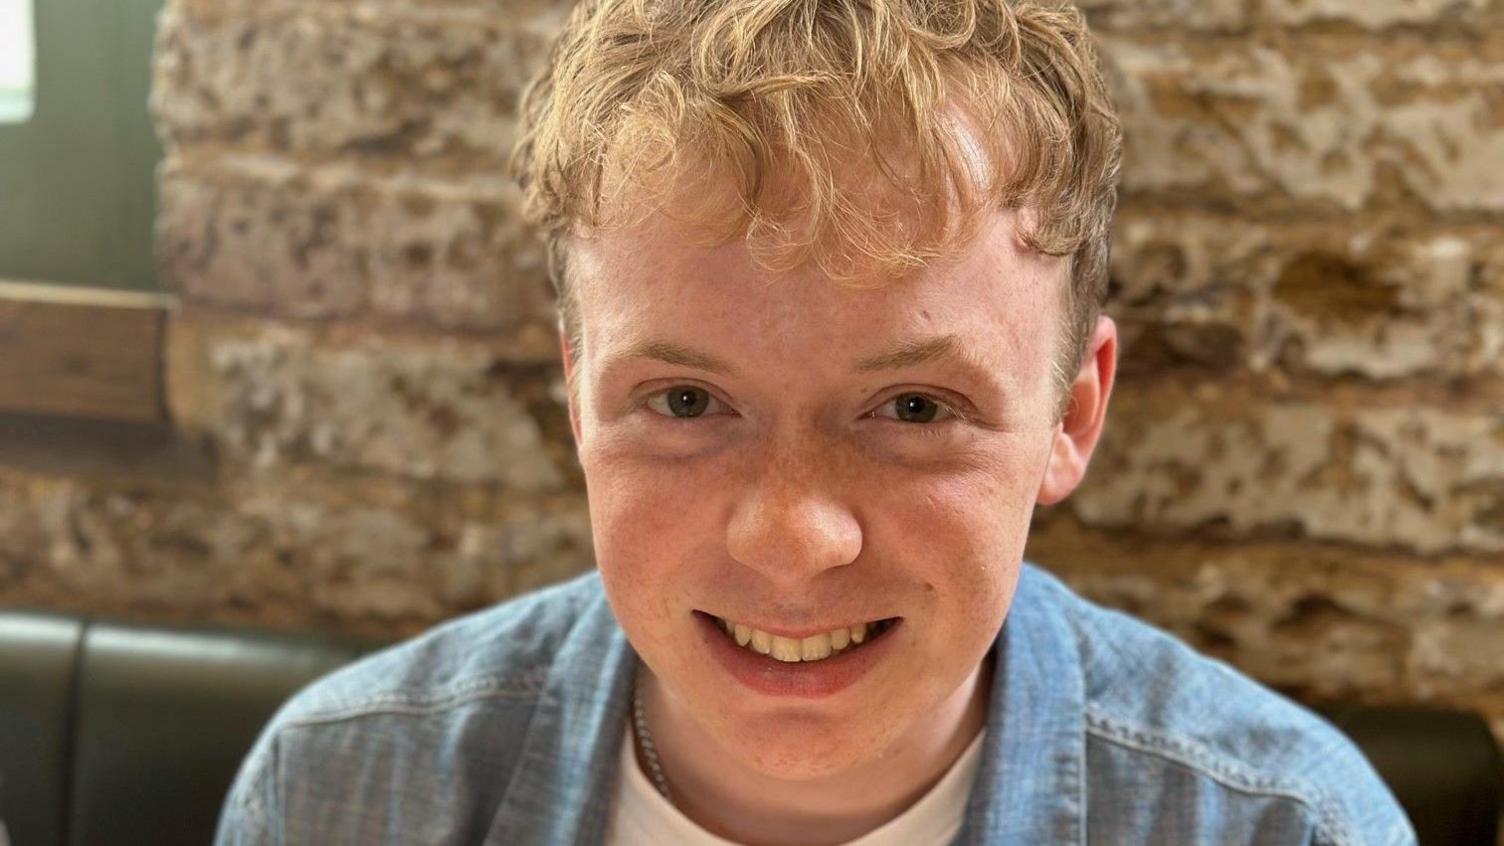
x: 792, y: 649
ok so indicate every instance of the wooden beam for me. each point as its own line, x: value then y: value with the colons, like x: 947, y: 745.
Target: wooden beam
x: 89, y: 353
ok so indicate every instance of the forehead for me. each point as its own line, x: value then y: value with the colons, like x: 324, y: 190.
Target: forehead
x: 654, y: 281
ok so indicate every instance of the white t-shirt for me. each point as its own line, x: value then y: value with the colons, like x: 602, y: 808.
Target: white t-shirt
x: 640, y: 816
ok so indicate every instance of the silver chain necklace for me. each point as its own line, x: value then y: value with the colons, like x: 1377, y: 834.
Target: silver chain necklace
x: 645, y: 742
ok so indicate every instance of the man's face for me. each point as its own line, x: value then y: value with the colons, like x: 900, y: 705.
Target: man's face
x: 757, y: 449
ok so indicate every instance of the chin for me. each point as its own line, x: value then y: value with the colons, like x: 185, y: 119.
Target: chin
x: 804, y: 747
x: 796, y: 761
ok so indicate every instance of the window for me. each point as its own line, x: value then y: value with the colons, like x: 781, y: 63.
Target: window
x: 17, y: 61
x: 77, y: 184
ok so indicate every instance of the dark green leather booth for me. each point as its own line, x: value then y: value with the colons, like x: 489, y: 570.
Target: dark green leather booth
x: 118, y: 735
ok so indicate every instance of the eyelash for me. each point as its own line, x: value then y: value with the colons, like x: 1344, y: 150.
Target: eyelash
x: 924, y: 430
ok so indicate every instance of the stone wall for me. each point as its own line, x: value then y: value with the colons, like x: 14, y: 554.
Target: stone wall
x: 1304, y: 470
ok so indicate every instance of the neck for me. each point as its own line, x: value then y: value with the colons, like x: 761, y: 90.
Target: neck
x: 739, y: 803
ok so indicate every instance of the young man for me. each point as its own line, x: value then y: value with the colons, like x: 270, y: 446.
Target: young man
x: 829, y: 275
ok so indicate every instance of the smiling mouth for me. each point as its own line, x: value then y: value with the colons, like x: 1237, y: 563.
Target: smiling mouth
x: 793, y: 650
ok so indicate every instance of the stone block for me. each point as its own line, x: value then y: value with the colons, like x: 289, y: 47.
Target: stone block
x: 346, y: 79
x: 1334, y: 124
x: 1355, y: 298
x: 543, y: 13
x: 1230, y: 463
x: 1380, y: 14
x: 368, y: 563
x: 423, y: 408
x: 144, y: 552
x: 1320, y: 621
x: 1200, y: 15
x: 383, y: 558
x: 335, y: 241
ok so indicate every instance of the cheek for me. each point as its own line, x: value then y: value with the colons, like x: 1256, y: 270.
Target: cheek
x: 647, y: 518
x: 640, y: 503
x: 962, y: 533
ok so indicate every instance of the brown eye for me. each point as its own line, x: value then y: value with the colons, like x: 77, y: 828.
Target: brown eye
x: 681, y: 401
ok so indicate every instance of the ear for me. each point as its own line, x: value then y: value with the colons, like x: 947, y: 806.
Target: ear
x: 1077, y: 433
x: 571, y: 394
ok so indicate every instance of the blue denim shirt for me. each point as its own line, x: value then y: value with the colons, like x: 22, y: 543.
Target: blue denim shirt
x: 503, y: 727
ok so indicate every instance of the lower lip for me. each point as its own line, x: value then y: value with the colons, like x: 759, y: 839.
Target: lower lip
x: 801, y: 680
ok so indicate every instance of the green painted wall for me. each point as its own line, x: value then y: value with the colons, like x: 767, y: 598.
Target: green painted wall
x: 77, y: 184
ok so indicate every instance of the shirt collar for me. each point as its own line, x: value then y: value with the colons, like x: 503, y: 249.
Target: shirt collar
x: 1031, y: 787
x: 560, y: 789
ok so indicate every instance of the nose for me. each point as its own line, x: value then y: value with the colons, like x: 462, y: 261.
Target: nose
x: 788, y: 524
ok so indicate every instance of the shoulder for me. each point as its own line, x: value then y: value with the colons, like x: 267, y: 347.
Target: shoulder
x: 1160, y: 707
x: 504, y: 650
x: 429, y: 728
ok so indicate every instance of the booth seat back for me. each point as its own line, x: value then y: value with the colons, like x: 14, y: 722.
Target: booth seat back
x: 124, y: 734
x: 118, y: 735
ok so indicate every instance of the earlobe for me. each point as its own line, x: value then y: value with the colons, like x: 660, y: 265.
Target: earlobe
x: 1065, y: 470
x: 1081, y: 426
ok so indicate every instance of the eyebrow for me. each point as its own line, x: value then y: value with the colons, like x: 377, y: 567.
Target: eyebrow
x: 916, y: 352
x: 910, y: 353
x: 671, y: 353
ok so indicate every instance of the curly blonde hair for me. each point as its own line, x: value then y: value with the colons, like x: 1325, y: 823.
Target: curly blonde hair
x: 787, y: 97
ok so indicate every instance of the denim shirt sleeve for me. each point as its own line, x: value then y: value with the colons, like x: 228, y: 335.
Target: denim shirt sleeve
x: 248, y: 814
x: 1182, y: 748
x: 493, y: 728
x: 1363, y: 810
x: 1157, y: 785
